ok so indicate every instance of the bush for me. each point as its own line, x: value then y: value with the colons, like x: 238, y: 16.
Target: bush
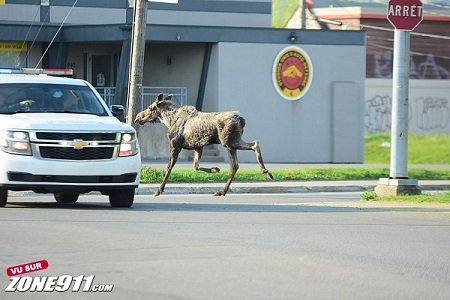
x: 369, y: 195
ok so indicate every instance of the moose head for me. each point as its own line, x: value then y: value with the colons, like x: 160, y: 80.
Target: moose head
x: 152, y: 113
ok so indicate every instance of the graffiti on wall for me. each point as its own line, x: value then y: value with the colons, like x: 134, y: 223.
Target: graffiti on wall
x: 432, y: 113
x: 428, y: 114
x: 383, y: 64
x: 426, y: 69
x: 378, y: 114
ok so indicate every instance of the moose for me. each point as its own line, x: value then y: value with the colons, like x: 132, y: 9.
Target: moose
x: 191, y: 129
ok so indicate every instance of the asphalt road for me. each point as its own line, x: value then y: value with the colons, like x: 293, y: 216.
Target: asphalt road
x: 277, y: 246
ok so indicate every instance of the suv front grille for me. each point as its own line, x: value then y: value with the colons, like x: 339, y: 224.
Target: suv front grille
x: 88, y: 153
x: 78, y: 146
x: 69, y: 136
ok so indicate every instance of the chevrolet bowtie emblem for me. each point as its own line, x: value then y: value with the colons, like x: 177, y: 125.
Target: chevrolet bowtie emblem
x: 79, y: 144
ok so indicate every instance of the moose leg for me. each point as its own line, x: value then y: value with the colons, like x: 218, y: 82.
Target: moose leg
x: 234, y: 166
x: 254, y: 146
x: 196, y: 165
x: 172, y: 160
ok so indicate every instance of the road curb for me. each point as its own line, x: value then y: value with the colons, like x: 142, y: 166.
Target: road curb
x: 252, y: 189
x: 150, y: 190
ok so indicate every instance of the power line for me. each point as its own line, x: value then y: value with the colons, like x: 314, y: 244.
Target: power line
x: 434, y: 36
x: 59, y: 29
x: 412, y: 52
x: 35, y: 37
x: 28, y: 33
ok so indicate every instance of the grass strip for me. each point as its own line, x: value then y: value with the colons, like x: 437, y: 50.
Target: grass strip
x: 424, y: 198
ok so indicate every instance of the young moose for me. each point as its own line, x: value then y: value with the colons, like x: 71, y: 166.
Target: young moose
x: 190, y: 129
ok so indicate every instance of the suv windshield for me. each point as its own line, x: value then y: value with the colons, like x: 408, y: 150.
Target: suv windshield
x: 55, y: 98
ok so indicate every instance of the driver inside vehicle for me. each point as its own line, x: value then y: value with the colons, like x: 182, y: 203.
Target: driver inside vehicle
x: 8, y: 106
x: 69, y: 100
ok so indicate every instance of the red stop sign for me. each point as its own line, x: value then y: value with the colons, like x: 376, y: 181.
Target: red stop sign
x: 405, y: 14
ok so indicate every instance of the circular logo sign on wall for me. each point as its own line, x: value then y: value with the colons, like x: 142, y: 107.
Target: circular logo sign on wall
x: 292, y: 73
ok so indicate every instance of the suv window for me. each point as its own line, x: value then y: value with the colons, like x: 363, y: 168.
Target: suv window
x: 42, y: 97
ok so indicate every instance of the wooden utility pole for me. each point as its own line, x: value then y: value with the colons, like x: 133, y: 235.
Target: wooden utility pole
x: 136, y: 72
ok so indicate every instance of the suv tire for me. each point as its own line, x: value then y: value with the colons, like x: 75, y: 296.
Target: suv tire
x: 65, y: 198
x: 121, y: 198
x: 3, y: 196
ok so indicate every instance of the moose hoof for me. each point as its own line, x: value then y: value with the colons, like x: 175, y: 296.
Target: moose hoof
x: 268, y: 174
x: 215, y: 170
x: 158, y: 192
x: 219, y: 193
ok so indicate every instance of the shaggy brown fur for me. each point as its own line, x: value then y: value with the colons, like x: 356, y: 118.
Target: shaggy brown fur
x: 191, y: 129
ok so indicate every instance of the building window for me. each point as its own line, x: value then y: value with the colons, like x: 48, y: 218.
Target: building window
x: 13, y: 54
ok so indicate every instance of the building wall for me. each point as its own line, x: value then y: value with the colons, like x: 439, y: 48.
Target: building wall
x: 174, y: 65
x: 429, y: 106
x: 326, y: 125
x: 201, y: 18
x: 211, y: 96
x: 429, y: 43
x: 34, y: 55
x: 83, y: 15
x: 184, y: 70
x: 239, y: 13
x: 20, y: 13
x: 298, y: 131
x: 429, y: 57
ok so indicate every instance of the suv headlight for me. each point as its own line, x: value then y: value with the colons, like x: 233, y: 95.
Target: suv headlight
x: 15, y: 142
x: 128, y: 144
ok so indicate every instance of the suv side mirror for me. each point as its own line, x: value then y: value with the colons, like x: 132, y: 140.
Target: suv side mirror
x: 118, y: 112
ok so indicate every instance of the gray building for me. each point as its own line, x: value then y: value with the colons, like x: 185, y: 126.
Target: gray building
x: 216, y: 55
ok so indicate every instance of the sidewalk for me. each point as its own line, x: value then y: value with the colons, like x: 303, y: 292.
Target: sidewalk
x: 281, y: 186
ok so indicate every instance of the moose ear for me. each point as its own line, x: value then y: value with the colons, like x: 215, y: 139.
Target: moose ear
x: 160, y: 97
x: 168, y: 97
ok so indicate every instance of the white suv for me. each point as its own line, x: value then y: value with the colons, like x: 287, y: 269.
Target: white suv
x: 58, y: 136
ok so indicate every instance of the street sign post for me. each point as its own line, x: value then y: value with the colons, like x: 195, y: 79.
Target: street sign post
x: 404, y: 15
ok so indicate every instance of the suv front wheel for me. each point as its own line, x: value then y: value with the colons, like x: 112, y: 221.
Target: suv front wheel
x: 3, y: 196
x: 121, y: 198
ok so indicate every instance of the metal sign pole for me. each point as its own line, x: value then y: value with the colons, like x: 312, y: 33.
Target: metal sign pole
x: 404, y: 16
x: 400, y: 85
x: 398, y: 182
